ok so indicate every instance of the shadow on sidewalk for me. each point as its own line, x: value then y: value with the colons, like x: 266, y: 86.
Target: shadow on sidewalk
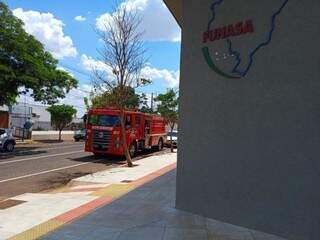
x: 149, y: 212
x: 140, y: 214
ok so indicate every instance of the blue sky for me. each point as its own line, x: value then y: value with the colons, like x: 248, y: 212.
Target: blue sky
x: 67, y: 30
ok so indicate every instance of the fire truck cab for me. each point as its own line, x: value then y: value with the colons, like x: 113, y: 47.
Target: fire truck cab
x: 104, y: 136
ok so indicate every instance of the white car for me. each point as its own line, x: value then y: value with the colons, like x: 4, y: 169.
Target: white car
x: 7, y: 141
x: 174, y: 135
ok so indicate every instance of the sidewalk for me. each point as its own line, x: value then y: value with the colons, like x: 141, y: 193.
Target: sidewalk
x: 32, y: 215
x: 118, y: 204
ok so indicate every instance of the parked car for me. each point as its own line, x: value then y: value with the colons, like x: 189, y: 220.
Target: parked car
x: 7, y: 141
x: 79, y: 135
x: 174, y: 135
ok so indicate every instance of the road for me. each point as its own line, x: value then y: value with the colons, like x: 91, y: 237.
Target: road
x: 41, y: 167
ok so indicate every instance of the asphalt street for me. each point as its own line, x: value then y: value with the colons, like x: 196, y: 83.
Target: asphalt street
x: 39, y: 167
x: 35, y: 168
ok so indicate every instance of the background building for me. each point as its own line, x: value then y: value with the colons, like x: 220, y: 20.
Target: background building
x: 20, y: 114
x: 249, y: 125
x: 16, y: 116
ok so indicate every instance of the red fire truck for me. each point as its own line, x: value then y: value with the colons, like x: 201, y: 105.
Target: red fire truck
x: 104, y: 136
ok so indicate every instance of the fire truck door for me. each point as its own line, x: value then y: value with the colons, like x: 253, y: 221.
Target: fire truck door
x: 147, y: 125
x: 138, y: 126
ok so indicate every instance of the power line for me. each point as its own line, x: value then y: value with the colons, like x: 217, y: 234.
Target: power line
x: 75, y: 69
x: 39, y: 105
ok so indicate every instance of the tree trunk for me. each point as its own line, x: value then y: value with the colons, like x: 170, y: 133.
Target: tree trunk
x: 124, y: 140
x: 171, y: 145
x: 60, y: 135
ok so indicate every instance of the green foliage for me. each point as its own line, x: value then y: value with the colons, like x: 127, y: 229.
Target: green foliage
x: 111, y: 99
x: 86, y: 103
x: 61, y: 115
x: 25, y: 63
x: 168, y: 106
x: 144, y: 104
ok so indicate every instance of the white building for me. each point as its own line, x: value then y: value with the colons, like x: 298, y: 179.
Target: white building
x: 37, y: 114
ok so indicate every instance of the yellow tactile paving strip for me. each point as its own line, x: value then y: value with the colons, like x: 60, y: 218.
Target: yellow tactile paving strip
x: 114, y: 190
x: 38, y: 231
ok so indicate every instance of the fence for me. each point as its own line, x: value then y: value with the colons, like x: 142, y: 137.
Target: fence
x: 21, y: 133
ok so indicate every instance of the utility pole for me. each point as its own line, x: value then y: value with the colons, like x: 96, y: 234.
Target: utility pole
x: 25, y: 113
x: 152, y: 102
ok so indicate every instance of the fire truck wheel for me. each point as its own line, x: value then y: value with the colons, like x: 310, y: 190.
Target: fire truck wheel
x: 133, y: 150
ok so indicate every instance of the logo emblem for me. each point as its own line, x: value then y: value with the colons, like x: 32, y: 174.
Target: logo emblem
x: 100, y: 134
x: 229, y: 49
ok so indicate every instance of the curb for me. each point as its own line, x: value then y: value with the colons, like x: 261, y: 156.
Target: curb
x: 25, y: 142
x: 105, y: 195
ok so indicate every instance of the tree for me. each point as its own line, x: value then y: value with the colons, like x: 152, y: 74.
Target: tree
x: 25, y: 63
x: 61, y: 116
x: 168, y: 108
x: 123, y: 54
x: 108, y: 99
x: 144, y: 107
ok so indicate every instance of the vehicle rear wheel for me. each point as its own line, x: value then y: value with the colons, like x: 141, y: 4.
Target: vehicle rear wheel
x: 133, y: 150
x: 77, y: 139
x: 9, y: 147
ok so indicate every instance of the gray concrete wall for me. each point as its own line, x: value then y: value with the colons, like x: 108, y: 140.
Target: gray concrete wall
x: 249, y: 148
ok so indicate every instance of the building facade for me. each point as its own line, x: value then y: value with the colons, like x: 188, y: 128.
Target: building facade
x: 250, y: 81
x: 20, y: 113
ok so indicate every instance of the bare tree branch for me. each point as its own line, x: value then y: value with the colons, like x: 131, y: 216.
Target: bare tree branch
x: 123, y: 52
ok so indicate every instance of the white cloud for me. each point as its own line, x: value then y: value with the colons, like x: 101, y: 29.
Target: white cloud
x: 49, y: 31
x: 134, y: 5
x: 157, y: 22
x: 103, y: 21
x: 91, y: 64
x: 170, y: 78
x: 65, y: 70
x: 80, y: 18
x: 75, y: 98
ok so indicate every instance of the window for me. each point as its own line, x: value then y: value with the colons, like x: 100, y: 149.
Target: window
x: 2, y: 132
x: 104, y: 120
x: 128, y: 121
x: 138, y: 121
x: 147, y: 126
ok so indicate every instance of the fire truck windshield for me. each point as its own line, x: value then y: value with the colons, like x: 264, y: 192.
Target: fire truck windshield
x: 104, y: 120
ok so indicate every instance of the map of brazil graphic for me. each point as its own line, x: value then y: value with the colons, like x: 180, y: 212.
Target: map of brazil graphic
x: 229, y: 48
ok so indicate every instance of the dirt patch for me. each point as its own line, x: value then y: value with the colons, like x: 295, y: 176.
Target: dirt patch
x: 62, y: 179
x: 9, y: 203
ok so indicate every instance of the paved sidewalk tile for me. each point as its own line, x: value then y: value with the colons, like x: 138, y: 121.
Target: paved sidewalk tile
x: 114, y: 190
x: 38, y: 231
x: 148, y: 213
x: 185, y: 234
x: 38, y: 208
x: 124, y: 175
x: 32, y: 215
